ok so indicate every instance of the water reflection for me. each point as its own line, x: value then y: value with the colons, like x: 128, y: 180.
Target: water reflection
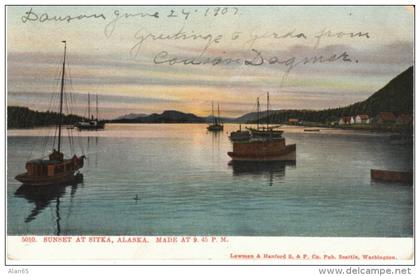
x: 274, y: 169
x: 216, y: 137
x: 43, y: 196
x: 94, y: 153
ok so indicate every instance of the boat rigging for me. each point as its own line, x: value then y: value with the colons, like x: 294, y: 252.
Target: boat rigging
x: 56, y: 169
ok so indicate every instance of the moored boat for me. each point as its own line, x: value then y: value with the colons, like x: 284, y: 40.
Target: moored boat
x: 391, y: 176
x: 216, y: 124
x: 267, y: 131
x: 265, y: 144
x: 311, y: 130
x: 215, y: 127
x: 240, y: 135
x: 92, y: 123
x: 56, y: 169
x: 263, y: 150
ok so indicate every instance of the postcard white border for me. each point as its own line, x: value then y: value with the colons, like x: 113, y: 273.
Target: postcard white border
x: 25, y: 250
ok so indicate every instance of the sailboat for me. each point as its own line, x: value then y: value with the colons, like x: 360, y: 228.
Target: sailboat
x: 216, y: 124
x: 240, y: 135
x: 56, y: 169
x: 92, y: 123
x: 262, y: 131
x: 265, y: 144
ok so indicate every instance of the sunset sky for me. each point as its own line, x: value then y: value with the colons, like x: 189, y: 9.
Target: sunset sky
x: 109, y: 59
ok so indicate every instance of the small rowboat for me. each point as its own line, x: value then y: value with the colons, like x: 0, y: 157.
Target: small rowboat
x: 392, y: 176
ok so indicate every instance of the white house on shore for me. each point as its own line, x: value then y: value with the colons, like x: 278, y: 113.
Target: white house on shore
x: 362, y: 119
x: 358, y: 119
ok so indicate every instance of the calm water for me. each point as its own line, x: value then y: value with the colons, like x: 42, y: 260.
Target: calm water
x: 186, y: 187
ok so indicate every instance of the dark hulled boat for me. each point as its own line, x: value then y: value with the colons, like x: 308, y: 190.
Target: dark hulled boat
x: 216, y: 125
x: 56, y: 169
x: 263, y: 150
x: 392, y: 176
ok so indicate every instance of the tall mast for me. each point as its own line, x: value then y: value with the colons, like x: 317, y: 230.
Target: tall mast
x: 258, y: 113
x: 97, y: 112
x: 212, y: 112
x: 60, y: 117
x: 88, y: 105
x: 218, y: 113
x: 268, y: 106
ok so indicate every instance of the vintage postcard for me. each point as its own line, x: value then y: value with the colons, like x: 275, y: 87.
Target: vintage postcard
x: 268, y: 135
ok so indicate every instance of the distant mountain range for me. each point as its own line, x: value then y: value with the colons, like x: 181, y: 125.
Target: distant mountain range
x: 396, y: 96
x: 168, y: 116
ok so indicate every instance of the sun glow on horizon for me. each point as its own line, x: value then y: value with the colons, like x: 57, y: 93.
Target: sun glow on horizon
x: 104, y: 65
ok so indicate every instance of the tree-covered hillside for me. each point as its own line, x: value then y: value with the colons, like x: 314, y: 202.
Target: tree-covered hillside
x: 23, y: 117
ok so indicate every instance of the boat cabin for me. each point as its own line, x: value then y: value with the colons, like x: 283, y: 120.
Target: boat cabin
x: 54, y: 166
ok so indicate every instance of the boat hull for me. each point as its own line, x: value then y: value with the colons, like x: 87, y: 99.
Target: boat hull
x: 82, y: 127
x: 66, y: 177
x: 263, y: 151
x: 215, y: 128
x: 56, y: 170
x: 391, y: 176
